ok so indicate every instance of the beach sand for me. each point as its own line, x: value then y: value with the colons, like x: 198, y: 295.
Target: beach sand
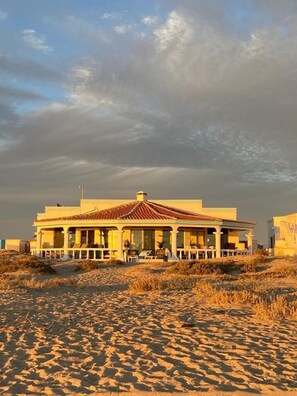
x: 97, y: 337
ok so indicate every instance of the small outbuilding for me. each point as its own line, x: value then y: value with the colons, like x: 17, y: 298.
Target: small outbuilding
x: 18, y: 245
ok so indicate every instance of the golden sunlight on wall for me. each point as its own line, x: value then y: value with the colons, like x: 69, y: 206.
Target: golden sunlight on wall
x: 282, y: 231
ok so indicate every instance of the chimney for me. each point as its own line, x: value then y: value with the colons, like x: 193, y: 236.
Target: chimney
x: 141, y: 196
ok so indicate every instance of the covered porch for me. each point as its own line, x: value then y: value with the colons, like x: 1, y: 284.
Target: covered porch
x: 182, y: 242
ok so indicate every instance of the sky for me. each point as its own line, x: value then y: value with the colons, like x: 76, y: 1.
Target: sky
x: 184, y: 99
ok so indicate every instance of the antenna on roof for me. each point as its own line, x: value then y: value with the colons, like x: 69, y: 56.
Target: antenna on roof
x: 81, y: 188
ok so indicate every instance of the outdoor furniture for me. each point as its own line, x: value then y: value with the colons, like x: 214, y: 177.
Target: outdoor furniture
x: 132, y: 255
x: 76, y: 252
x: 145, y: 254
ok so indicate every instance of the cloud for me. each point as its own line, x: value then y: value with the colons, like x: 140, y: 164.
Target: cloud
x: 198, y: 109
x: 18, y: 94
x: 111, y: 15
x: 122, y: 29
x: 150, y: 20
x: 81, y: 29
x: 29, y: 70
x: 174, y: 31
x: 7, y: 114
x: 3, y: 15
x: 192, y: 98
x: 27, y: 84
x: 32, y: 40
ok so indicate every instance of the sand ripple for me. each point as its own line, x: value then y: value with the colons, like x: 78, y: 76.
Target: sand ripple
x: 100, y: 338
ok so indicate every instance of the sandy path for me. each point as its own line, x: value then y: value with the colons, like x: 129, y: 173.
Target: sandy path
x: 99, y: 338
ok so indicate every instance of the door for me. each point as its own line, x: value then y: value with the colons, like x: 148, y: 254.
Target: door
x: 149, y: 239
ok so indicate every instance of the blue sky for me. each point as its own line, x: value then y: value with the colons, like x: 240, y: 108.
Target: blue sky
x: 183, y: 99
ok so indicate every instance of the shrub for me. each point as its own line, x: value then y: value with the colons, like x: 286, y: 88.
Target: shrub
x: 233, y: 297
x: 250, y: 265
x: 261, y: 252
x: 204, y: 267
x: 259, y: 257
x: 87, y: 265
x: 115, y: 261
x: 17, y: 282
x: 276, y: 308
x: 22, y: 262
x: 220, y: 296
x: 282, y: 271
x: 147, y: 284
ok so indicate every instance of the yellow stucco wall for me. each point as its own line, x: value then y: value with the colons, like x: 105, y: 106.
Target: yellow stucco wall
x: 13, y: 244
x: 88, y: 205
x: 223, y: 213
x: 233, y: 237
x: 283, y: 251
x: 51, y: 212
x: 284, y: 231
x: 47, y: 238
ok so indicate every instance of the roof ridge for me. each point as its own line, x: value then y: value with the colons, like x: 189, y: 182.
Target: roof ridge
x: 156, y: 212
x: 132, y: 210
x: 186, y: 212
x: 116, y: 207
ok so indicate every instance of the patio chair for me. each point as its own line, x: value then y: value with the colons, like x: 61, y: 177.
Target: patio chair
x: 84, y: 252
x: 145, y: 254
x: 75, y: 252
x: 76, y: 246
x: 132, y: 255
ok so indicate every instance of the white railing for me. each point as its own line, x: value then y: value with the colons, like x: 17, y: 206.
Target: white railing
x: 196, y: 254
x: 235, y: 252
x: 99, y: 254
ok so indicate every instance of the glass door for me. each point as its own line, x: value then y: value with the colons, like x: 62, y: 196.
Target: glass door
x: 149, y: 239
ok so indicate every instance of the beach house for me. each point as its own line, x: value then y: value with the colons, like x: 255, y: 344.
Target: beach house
x: 101, y: 229
x: 282, y: 235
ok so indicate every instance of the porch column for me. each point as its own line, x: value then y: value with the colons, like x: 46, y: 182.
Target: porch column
x: 218, y: 234
x: 65, y: 245
x: 250, y: 242
x: 38, y: 241
x: 120, y: 244
x: 205, y: 238
x: 174, y: 233
x: 77, y: 236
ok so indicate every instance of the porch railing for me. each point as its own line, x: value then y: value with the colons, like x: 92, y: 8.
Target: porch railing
x: 101, y: 254
x: 196, y: 254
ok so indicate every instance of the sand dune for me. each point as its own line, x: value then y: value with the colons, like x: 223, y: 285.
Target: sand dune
x: 97, y: 337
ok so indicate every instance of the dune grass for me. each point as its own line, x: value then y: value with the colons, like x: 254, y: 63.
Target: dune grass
x: 87, y: 265
x: 263, y: 286
x: 264, y: 301
x: 12, y: 262
x: 14, y: 282
x: 218, y: 266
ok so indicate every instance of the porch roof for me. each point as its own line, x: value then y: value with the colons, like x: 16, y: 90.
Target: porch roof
x: 140, y: 210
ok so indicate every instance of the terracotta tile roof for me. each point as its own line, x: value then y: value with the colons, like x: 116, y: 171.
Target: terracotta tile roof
x: 138, y: 210
x: 180, y: 214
